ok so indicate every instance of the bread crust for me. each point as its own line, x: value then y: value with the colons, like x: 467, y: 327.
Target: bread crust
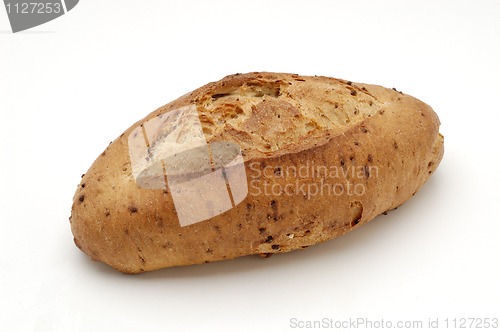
x: 378, y: 141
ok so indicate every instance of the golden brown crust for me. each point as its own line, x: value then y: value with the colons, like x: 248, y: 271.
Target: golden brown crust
x: 368, y: 137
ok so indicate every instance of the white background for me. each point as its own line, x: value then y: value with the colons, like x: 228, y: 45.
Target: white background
x: 69, y: 87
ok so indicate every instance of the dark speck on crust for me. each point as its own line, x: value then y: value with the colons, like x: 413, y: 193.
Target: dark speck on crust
x: 81, y: 198
x: 132, y: 209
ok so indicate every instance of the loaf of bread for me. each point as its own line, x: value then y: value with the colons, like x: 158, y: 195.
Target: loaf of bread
x: 256, y: 163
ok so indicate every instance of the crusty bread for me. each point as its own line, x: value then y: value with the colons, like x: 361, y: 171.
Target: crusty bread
x: 322, y: 157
